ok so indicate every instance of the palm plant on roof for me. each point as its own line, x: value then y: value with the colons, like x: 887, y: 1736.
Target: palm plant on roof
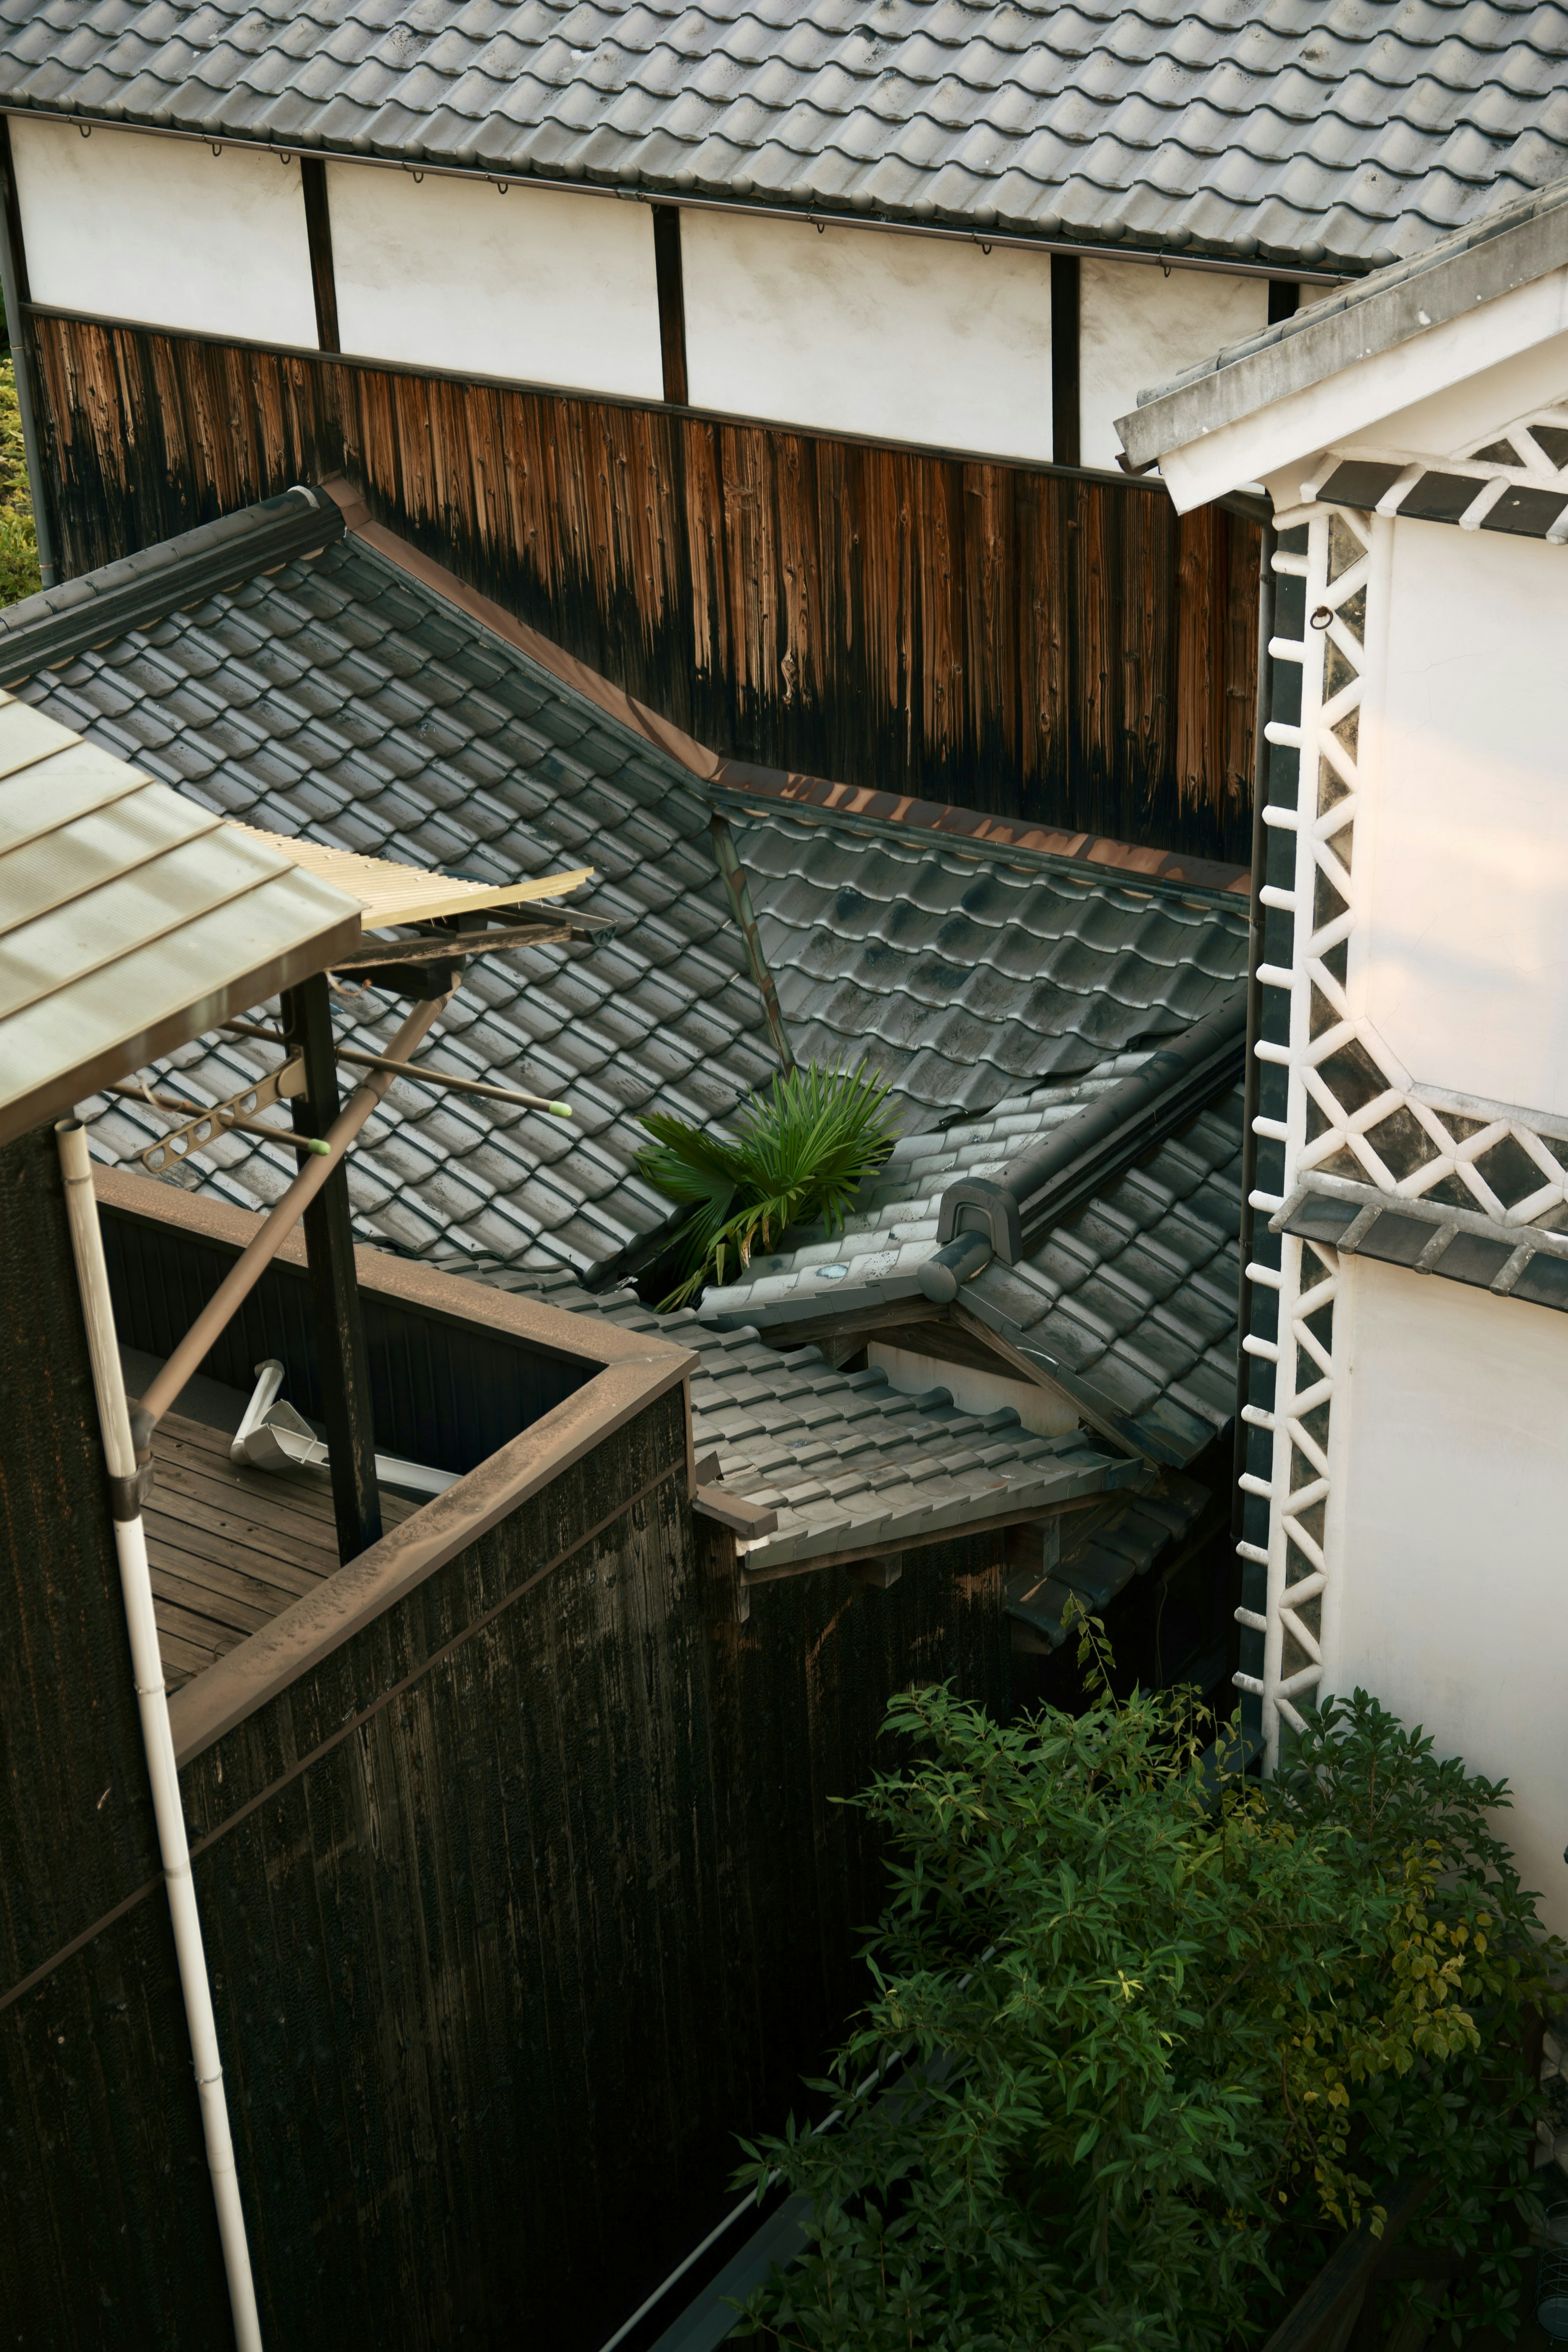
x: 799, y: 1154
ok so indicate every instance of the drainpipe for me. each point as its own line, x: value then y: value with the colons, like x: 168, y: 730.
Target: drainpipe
x: 1254, y: 1030
x: 16, y: 326
x: 147, y: 1669
x: 735, y: 874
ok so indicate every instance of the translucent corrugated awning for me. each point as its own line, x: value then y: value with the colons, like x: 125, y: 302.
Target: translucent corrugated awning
x: 131, y: 918
x: 389, y: 893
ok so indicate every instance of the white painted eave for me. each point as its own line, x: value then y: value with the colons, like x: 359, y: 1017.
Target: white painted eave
x: 1345, y: 406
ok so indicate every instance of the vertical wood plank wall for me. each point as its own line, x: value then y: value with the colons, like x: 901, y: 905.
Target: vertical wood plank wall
x: 1004, y: 637
x: 518, y: 1905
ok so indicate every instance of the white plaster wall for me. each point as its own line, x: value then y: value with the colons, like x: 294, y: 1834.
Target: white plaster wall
x: 1137, y: 327
x: 1046, y: 1412
x: 536, y: 285
x: 1452, y: 1499
x: 857, y: 330
x: 163, y: 231
x: 1465, y: 935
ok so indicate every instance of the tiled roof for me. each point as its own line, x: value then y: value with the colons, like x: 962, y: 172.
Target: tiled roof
x: 1348, y: 134
x: 1130, y: 1306
x: 335, y: 697
x: 1103, y: 1547
x: 843, y: 1458
x: 963, y: 972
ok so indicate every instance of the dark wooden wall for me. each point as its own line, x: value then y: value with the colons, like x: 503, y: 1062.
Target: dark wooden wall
x: 446, y: 1393
x: 518, y: 1906
x: 1007, y: 637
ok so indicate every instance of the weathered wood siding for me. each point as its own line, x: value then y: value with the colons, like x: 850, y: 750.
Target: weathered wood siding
x: 1004, y: 637
x: 519, y: 1904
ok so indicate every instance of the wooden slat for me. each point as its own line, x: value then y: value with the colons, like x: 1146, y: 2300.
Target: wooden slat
x: 197, y: 1633
x: 192, y: 1551
x: 228, y: 1545
x: 306, y: 1490
x: 270, y: 1526
x: 182, y: 1659
x: 196, y: 1519
x: 201, y: 1599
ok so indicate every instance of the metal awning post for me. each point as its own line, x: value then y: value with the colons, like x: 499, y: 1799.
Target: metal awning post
x: 341, y: 1356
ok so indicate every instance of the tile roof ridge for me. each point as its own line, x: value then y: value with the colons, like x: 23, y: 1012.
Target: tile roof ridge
x: 51, y: 629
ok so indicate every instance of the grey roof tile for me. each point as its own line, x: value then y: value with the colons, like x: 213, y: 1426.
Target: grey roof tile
x: 967, y: 977
x: 1063, y: 974
x: 1130, y: 1306
x: 1355, y: 135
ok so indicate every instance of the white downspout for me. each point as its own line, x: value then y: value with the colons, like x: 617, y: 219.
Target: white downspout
x: 147, y: 1666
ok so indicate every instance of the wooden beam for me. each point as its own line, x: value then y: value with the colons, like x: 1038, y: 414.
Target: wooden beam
x: 880, y: 1573
x: 949, y: 1344
x: 341, y: 1357
x: 894, y: 1314
x: 671, y: 300
x: 857, y: 1555
x: 319, y: 232
x: 1087, y: 1412
x: 1066, y: 435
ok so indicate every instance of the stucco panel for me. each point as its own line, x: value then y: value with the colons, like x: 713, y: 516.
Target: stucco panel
x: 1451, y: 1502
x: 1138, y: 328
x: 900, y: 338
x: 1467, y: 928
x: 537, y: 286
x: 125, y: 225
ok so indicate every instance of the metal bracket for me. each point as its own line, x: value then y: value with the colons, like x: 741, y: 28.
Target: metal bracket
x: 278, y: 1085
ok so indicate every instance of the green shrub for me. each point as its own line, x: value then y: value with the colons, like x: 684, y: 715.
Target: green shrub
x: 1166, y: 2033
x: 18, y: 539
x: 800, y: 1153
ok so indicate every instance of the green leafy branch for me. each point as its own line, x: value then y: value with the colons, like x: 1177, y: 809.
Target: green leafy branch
x: 800, y: 1153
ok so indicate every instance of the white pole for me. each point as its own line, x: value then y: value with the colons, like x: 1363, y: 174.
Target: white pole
x: 147, y: 1667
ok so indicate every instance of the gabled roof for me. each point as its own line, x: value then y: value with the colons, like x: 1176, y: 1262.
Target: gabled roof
x: 1512, y: 246
x: 332, y: 694
x: 131, y: 918
x: 847, y: 1461
x: 1300, y: 135
x: 1129, y: 1305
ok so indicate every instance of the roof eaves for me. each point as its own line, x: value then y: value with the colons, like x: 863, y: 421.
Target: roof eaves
x: 1510, y: 249
x: 47, y: 631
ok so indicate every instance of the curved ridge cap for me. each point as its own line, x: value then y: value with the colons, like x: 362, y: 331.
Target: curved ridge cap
x: 146, y: 568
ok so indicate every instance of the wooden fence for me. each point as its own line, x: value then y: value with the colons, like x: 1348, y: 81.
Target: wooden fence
x: 1025, y: 640
x: 521, y: 1898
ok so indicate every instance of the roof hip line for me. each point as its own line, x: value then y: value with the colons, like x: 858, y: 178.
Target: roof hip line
x: 47, y: 631
x: 1043, y: 1186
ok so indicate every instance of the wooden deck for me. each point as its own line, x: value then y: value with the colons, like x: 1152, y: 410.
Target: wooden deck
x: 229, y: 1548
